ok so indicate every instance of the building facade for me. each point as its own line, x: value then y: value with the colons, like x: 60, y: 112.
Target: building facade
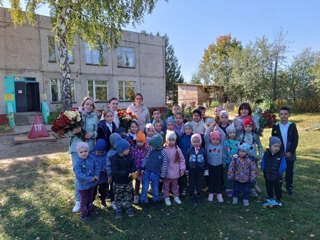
x: 29, y: 72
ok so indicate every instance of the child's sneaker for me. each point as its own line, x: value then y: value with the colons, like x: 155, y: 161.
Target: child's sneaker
x: 118, y: 214
x: 229, y: 192
x: 130, y: 212
x: 245, y: 202
x: 279, y: 203
x: 210, y: 197
x: 76, y: 207
x: 254, y: 193
x: 220, y: 198
x: 234, y: 200
x: 113, y: 206
x: 167, y: 201
x: 177, y: 200
x: 136, y: 199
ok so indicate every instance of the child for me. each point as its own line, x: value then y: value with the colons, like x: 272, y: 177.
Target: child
x: 223, y: 124
x: 288, y: 134
x: 196, y: 161
x: 102, y: 185
x: 138, y: 152
x: 150, y: 131
x: 176, y: 168
x: 208, y: 123
x: 156, y: 116
x: 231, y: 147
x: 154, y: 167
x: 216, y: 112
x: 185, y: 144
x: 158, y: 127
x: 170, y: 124
x: 273, y: 164
x: 197, y: 122
x: 132, y: 133
x: 250, y: 137
x: 87, y: 174
x: 203, y: 112
x: 215, y: 162
x: 123, y: 169
x: 242, y: 171
x: 106, y: 127
x: 175, y: 109
x: 178, y: 126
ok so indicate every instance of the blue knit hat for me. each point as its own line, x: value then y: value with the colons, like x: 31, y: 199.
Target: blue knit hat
x: 122, y: 145
x: 156, y: 141
x: 170, y: 120
x: 100, y: 145
x: 274, y: 140
x: 188, y: 125
x: 114, y: 137
x: 246, y: 147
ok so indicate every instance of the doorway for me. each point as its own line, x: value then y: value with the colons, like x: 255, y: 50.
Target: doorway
x: 27, y: 96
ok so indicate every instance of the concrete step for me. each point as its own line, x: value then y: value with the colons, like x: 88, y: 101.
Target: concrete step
x: 26, y: 118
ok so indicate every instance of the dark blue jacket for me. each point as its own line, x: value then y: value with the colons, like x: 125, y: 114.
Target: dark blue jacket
x: 101, y: 164
x: 273, y: 165
x: 196, y: 162
x: 121, y: 167
x: 185, y: 144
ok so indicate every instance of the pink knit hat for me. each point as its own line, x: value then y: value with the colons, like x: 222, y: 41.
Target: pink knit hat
x: 215, y: 135
x: 82, y: 145
x: 196, y: 135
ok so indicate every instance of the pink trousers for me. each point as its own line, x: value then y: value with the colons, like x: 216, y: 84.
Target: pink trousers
x: 174, y: 187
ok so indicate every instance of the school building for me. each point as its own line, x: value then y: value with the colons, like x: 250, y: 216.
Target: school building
x: 30, y: 74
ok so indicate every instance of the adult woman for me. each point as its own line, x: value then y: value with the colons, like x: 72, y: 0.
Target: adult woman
x: 142, y: 113
x: 113, y: 104
x: 89, y: 129
x: 243, y: 111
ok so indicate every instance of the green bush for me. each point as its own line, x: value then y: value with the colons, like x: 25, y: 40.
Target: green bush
x: 268, y: 105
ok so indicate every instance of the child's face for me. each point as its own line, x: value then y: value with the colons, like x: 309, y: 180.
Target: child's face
x: 170, y: 126
x: 178, y: 119
x: 203, y: 113
x: 133, y: 128
x: 217, y: 111
x: 140, y: 143
x: 247, y: 128
x: 242, y: 153
x: 100, y: 153
x: 244, y: 112
x: 108, y: 117
x: 188, y: 131
x: 156, y: 115
x: 83, y: 152
x: 224, y: 119
x: 215, y: 141
x: 284, y: 115
x: 171, y: 142
x: 150, y: 132
x: 196, y: 142
x: 125, y: 152
x: 196, y: 117
x: 232, y: 135
x: 113, y: 105
x: 275, y: 148
x: 158, y: 127
x: 175, y: 109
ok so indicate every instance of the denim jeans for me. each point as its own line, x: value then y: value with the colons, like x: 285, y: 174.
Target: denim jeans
x: 152, y: 177
x: 241, y: 187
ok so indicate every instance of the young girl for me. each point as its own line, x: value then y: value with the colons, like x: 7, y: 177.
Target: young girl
x: 223, y: 124
x: 217, y: 111
x: 215, y: 163
x: 242, y: 170
x: 87, y: 174
x: 158, y: 127
x: 138, y: 152
x: 197, y: 122
x: 106, y: 127
x: 250, y: 137
x: 150, y: 131
x: 231, y: 146
x: 196, y: 164
x: 178, y: 126
x: 132, y: 133
x: 176, y: 168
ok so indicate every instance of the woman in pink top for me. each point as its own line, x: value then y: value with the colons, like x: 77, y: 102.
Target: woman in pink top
x: 140, y: 111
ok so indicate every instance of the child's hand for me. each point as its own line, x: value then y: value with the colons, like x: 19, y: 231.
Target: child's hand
x: 76, y: 130
x: 213, y: 125
x: 130, y: 175
x: 88, y: 135
x: 288, y: 154
x: 109, y: 180
x: 181, y: 173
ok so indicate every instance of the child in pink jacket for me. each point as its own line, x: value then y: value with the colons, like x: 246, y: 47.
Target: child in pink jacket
x: 176, y: 168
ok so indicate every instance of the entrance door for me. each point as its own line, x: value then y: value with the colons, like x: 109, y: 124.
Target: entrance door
x: 33, y: 97
x: 21, y: 96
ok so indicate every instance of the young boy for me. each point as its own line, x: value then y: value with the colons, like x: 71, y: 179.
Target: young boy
x: 273, y: 164
x: 288, y: 134
x: 154, y: 168
x: 156, y: 116
x: 87, y: 174
x: 123, y: 169
x: 175, y: 109
x: 106, y: 127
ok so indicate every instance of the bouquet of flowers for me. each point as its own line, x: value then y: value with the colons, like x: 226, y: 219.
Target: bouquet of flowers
x: 67, y: 121
x: 125, y: 118
x: 263, y: 120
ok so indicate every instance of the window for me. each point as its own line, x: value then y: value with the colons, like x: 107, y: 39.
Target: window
x: 56, y: 90
x: 98, y: 90
x: 125, y: 57
x: 92, y: 55
x: 127, y: 90
x: 53, y: 51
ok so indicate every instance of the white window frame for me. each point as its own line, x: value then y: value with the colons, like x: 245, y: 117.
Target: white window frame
x: 123, y: 86
x: 121, y: 58
x: 59, y: 90
x: 94, y: 85
x: 94, y: 52
x: 56, y: 52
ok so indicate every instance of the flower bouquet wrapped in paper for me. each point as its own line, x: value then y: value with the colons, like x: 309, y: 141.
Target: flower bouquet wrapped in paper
x: 263, y: 120
x: 125, y: 118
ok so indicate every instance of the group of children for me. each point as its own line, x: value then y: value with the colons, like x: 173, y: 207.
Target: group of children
x: 177, y: 157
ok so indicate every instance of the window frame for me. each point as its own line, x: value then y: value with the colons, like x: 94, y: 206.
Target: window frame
x: 124, y: 87
x: 94, y: 50
x: 121, y: 52
x: 59, y: 90
x: 94, y: 85
x: 56, y: 51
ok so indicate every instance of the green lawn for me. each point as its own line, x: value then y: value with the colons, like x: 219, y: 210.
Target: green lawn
x: 36, y: 198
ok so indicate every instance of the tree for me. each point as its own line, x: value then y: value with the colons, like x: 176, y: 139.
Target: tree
x: 97, y: 22
x: 173, y: 72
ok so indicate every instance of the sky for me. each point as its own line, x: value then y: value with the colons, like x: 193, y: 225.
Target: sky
x: 192, y: 25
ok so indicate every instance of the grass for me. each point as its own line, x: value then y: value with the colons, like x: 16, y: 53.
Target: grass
x: 36, y: 198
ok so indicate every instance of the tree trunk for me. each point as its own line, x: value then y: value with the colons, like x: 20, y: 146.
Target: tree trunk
x: 64, y: 59
x: 274, y: 82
